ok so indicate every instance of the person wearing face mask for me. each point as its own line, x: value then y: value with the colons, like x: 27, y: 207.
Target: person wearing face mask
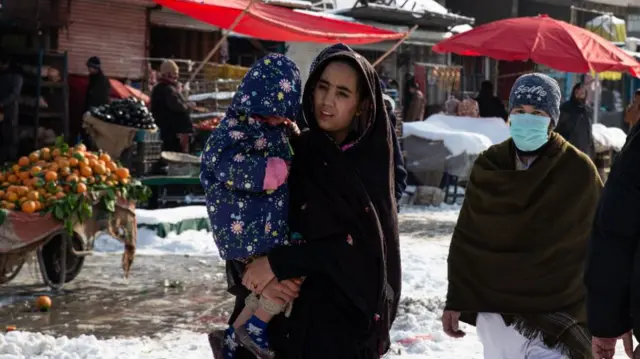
x: 519, y: 247
x: 575, y: 121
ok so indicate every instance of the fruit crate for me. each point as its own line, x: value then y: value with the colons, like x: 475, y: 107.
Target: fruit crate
x: 149, y: 151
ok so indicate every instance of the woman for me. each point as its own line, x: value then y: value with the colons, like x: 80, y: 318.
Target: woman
x: 518, y: 251
x: 417, y: 105
x: 575, y: 121
x: 342, y: 203
x: 171, y: 110
x: 489, y: 104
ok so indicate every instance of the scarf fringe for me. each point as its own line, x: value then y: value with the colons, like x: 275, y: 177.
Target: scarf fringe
x: 551, y: 341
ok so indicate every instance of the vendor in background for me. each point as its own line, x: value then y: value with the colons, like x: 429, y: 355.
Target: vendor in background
x: 575, y: 121
x: 490, y: 105
x: 10, y: 88
x: 171, y: 110
x: 99, y: 87
x: 632, y: 115
x: 415, y: 112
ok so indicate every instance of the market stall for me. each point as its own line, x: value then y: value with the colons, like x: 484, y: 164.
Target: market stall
x: 54, y: 203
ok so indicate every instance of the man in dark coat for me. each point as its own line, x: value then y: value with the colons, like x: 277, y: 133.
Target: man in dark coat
x: 171, y: 110
x: 575, y: 121
x: 613, y: 275
x: 99, y: 87
x: 10, y: 88
x: 490, y: 105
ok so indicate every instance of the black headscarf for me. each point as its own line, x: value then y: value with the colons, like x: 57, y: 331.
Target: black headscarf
x: 356, y: 185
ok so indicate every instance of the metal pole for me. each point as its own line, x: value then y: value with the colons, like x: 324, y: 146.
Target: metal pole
x: 596, y: 99
x: 394, y: 47
x: 221, y: 41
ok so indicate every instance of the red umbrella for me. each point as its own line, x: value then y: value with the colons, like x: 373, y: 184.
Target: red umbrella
x: 269, y: 22
x: 545, y: 41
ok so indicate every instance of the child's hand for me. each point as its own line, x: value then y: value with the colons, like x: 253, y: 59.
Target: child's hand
x: 275, y: 120
x: 276, y: 173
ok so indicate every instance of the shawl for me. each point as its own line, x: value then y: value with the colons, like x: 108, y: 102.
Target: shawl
x: 520, y: 244
x: 351, y: 190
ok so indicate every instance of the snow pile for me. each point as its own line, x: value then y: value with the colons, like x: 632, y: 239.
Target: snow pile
x: 460, y: 134
x: 170, y: 215
x: 608, y: 138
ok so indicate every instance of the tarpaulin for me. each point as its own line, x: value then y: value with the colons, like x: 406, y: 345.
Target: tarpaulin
x: 269, y: 22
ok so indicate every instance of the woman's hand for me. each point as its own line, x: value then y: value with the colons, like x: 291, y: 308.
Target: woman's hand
x: 284, y: 291
x: 257, y: 275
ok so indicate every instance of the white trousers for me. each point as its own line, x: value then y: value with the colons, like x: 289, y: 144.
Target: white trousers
x: 503, y: 342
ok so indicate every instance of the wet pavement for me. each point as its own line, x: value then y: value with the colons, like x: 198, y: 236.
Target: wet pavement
x: 163, y: 293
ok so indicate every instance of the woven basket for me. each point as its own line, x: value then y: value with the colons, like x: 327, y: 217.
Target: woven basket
x: 181, y: 164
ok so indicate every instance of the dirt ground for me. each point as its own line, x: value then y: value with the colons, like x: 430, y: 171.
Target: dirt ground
x: 163, y: 293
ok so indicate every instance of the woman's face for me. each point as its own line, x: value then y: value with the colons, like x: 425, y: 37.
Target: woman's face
x: 580, y: 93
x: 336, y: 99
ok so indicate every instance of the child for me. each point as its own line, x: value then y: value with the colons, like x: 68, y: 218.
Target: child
x: 244, y: 171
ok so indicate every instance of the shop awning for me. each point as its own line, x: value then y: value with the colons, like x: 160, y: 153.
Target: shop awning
x: 268, y: 22
x: 425, y: 17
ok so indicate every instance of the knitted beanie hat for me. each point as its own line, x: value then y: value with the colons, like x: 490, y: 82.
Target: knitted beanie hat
x: 538, y: 90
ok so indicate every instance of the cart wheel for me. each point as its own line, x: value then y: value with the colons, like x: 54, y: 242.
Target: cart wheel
x: 10, y: 266
x: 51, y: 255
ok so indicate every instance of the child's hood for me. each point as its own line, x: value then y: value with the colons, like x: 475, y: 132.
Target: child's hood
x: 271, y: 88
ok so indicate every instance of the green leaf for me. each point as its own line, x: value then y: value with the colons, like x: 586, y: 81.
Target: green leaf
x: 58, y: 212
x: 111, y: 194
x: 73, y: 200
x: 68, y: 225
x: 109, y: 204
x: 3, y: 216
x: 125, y: 193
x: 60, y: 141
x: 86, y: 211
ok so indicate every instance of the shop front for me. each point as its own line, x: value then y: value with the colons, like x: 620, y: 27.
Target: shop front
x: 115, y: 31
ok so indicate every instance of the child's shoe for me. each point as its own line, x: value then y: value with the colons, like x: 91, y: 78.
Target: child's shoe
x: 253, y: 337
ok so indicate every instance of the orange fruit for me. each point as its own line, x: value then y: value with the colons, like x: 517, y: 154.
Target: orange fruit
x: 10, y: 206
x: 22, y: 191
x: 86, y: 172
x: 72, y: 178
x: 63, y: 162
x: 28, y: 207
x: 12, y: 179
x: 81, y: 188
x: 35, y: 170
x: 2, y: 194
x: 60, y: 195
x: 65, y: 171
x: 23, y: 161
x: 15, y: 169
x: 112, y: 166
x: 24, y: 175
x: 12, y: 197
x: 51, y: 176
x: 73, y: 162
x: 82, y: 148
x: 34, y: 157
x: 39, y: 205
x: 105, y: 157
x: 124, y: 181
x: 54, y: 167
x: 100, y: 169
x: 56, y: 153
x: 3, y: 177
x: 45, y: 153
x: 43, y: 192
x: 33, y: 195
x: 43, y: 303
x: 110, y: 183
x: 22, y: 200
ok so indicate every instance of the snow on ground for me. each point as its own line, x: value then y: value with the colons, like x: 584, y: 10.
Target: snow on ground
x: 417, y: 332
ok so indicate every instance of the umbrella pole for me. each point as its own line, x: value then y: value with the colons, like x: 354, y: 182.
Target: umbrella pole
x: 222, y: 40
x: 596, y: 99
x: 394, y: 47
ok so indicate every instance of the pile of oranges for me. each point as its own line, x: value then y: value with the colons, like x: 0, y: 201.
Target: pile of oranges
x: 37, y: 181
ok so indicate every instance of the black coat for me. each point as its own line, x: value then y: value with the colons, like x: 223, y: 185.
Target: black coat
x: 613, y: 268
x: 171, y: 112
x: 575, y: 126
x: 491, y: 106
x: 98, y: 91
x: 342, y: 203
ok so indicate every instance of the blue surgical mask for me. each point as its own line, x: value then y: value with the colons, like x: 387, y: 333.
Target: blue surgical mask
x: 529, y: 132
